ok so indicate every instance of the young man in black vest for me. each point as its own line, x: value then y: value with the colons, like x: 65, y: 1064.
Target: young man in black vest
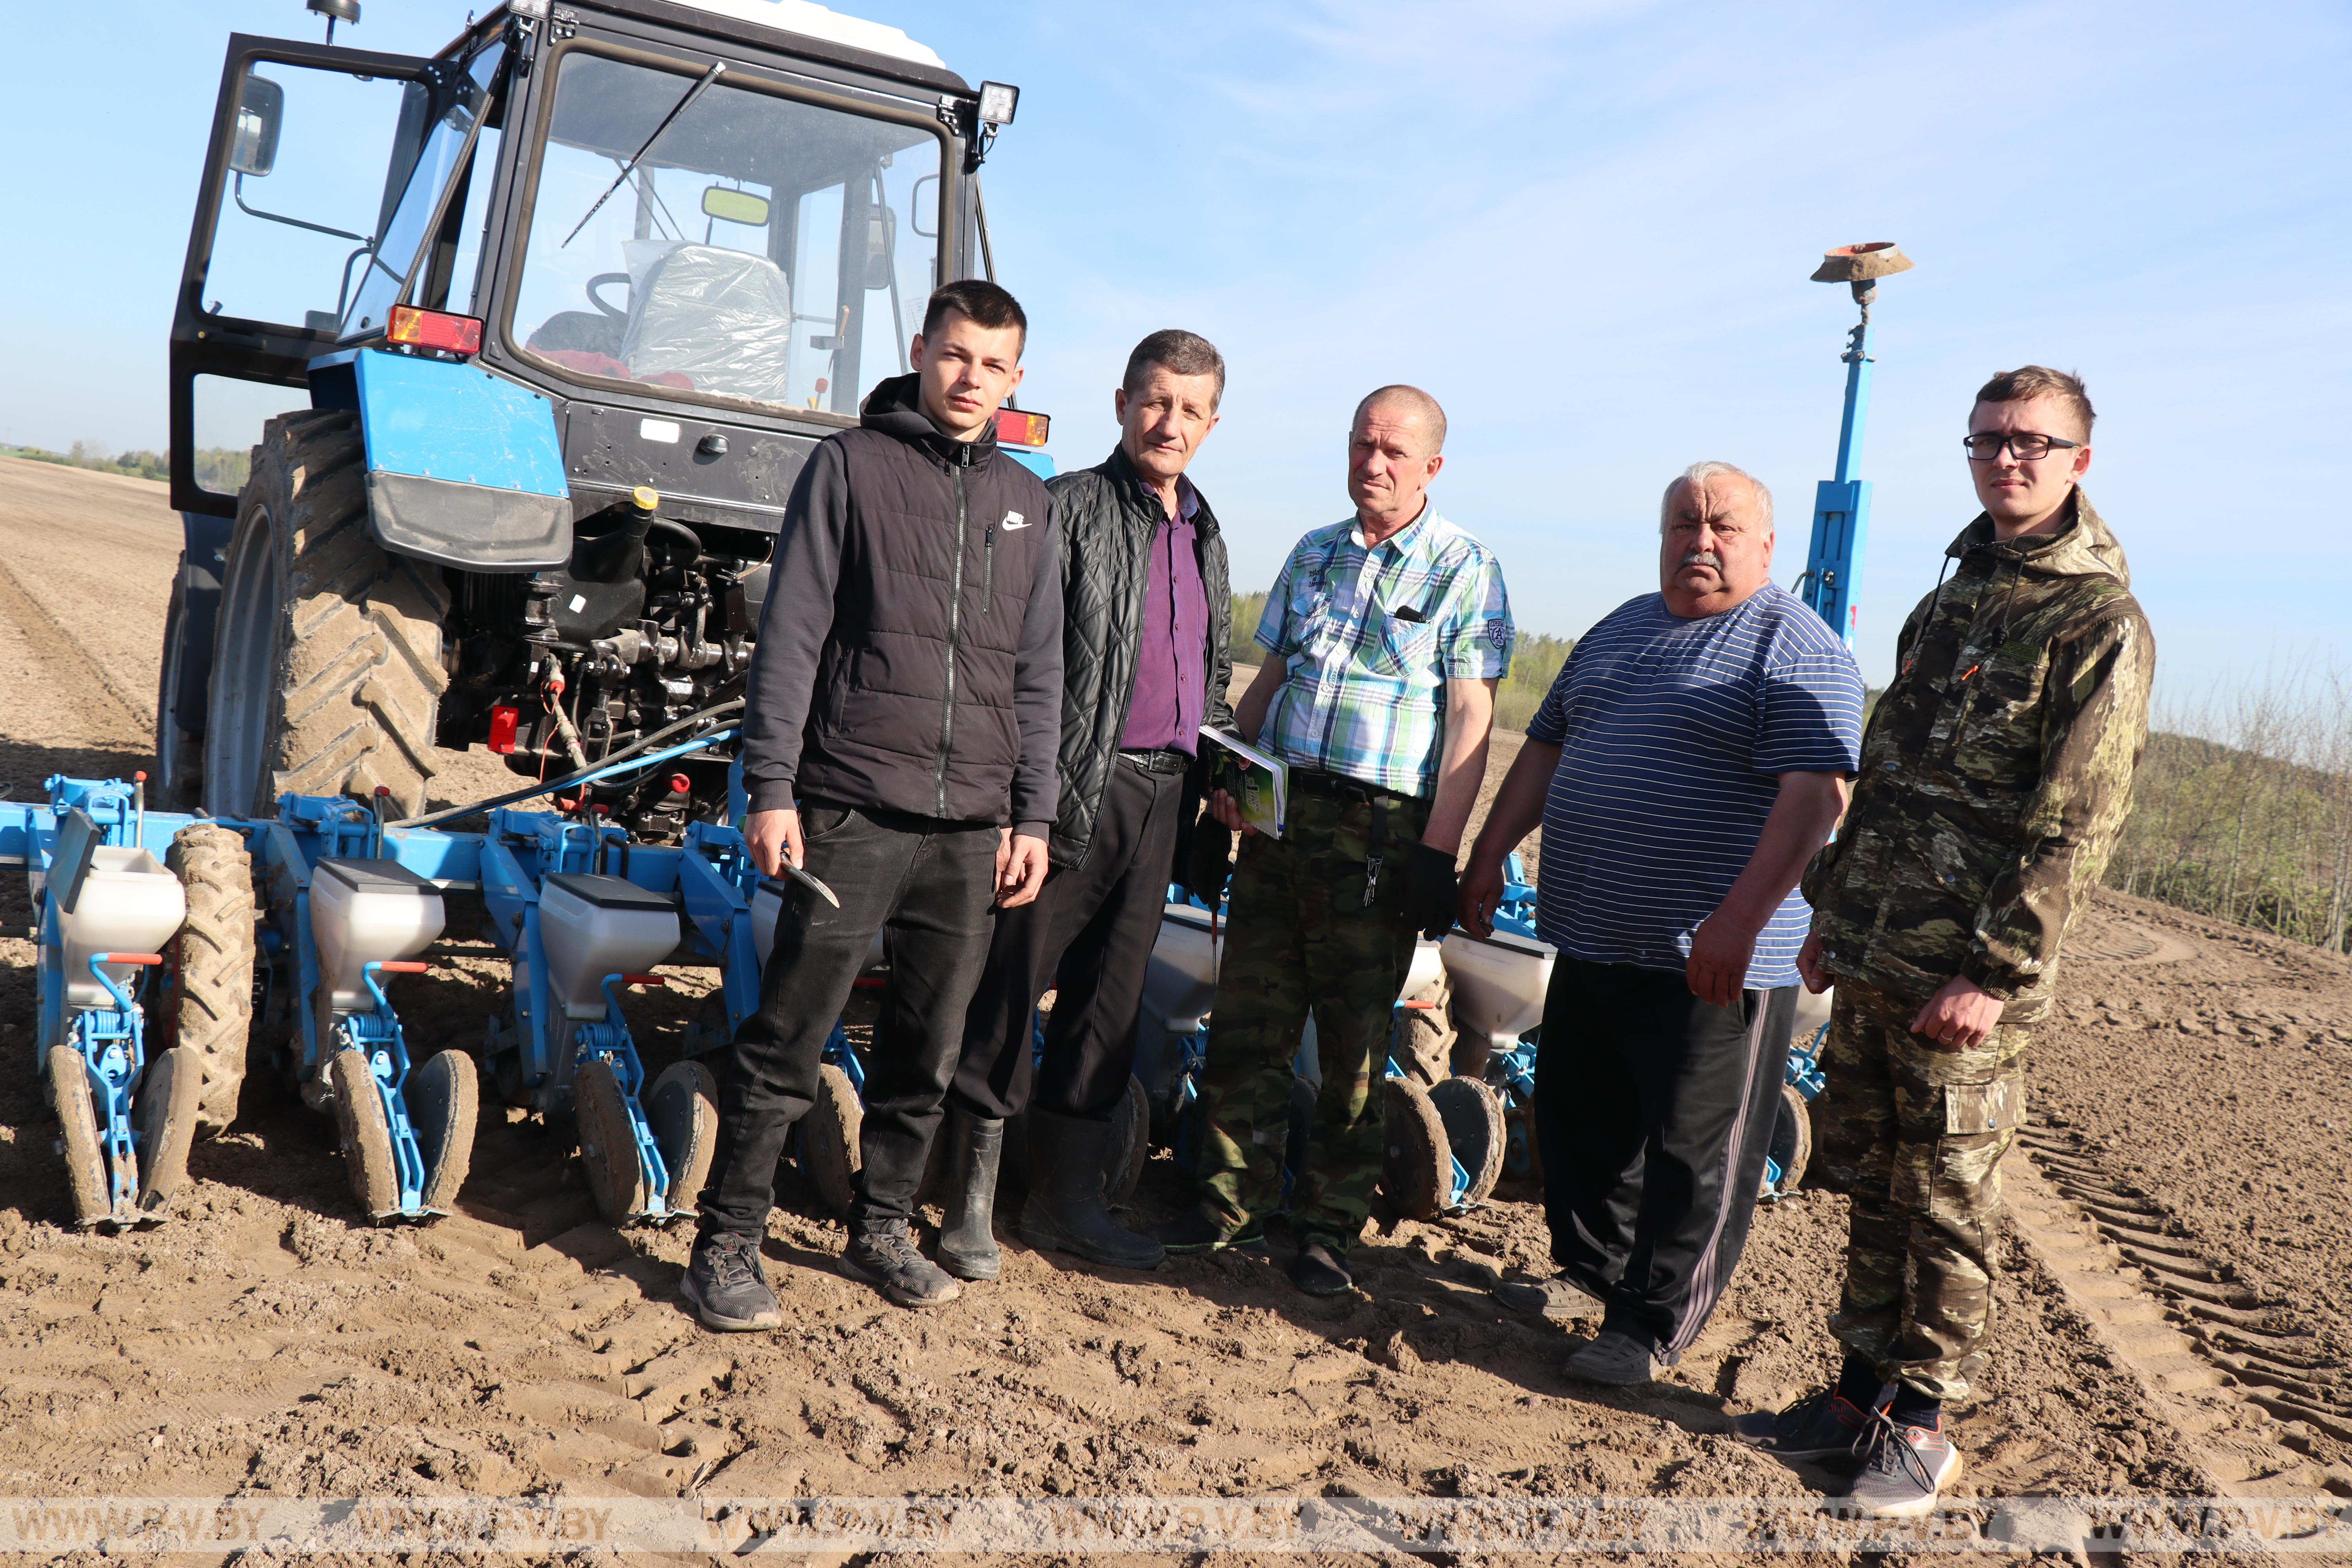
x: 899, y: 730
x: 1145, y: 607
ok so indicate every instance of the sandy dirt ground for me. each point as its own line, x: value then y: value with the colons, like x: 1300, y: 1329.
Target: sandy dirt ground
x: 266, y: 1342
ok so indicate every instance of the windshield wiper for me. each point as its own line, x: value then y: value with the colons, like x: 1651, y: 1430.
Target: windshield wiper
x: 679, y: 108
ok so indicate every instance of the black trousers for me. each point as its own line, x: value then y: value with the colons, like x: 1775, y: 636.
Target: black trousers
x: 1094, y: 928
x: 931, y: 884
x: 1653, y: 1113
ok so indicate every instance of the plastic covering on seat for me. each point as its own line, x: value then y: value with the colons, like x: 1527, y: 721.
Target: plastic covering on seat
x: 721, y: 318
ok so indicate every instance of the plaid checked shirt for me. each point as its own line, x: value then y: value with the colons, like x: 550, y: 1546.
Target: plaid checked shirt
x: 1372, y: 635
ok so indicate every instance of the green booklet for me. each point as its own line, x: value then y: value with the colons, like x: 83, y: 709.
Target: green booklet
x: 1260, y: 782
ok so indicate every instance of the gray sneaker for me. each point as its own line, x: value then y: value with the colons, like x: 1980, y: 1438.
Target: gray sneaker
x: 1906, y: 1467
x: 885, y: 1258
x: 1554, y: 1298
x: 728, y: 1289
x: 1613, y: 1357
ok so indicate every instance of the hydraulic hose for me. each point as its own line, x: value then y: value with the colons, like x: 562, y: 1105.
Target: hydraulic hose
x: 617, y: 762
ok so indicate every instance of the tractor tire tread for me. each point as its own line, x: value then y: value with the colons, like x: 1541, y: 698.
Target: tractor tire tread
x: 360, y: 677
x: 211, y: 959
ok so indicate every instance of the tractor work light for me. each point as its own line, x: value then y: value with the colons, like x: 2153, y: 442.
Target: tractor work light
x: 433, y: 330
x: 1019, y: 427
x: 997, y: 102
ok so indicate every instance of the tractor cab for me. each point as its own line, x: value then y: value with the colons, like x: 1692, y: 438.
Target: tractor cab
x: 529, y: 342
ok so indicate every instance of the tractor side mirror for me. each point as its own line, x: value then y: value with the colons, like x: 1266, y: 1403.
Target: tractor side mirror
x: 260, y: 106
x: 735, y: 206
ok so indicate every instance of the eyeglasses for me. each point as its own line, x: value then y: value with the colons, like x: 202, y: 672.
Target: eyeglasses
x: 2025, y: 448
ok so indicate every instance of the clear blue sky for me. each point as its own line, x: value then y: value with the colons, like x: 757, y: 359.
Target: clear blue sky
x: 1585, y: 227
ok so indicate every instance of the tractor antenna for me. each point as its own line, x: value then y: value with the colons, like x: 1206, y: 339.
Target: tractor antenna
x: 1842, y: 505
x: 334, y: 11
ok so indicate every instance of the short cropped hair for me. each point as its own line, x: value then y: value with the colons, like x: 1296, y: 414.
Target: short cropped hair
x: 987, y: 304
x: 1179, y: 352
x: 1696, y: 475
x: 1414, y: 399
x: 2029, y: 382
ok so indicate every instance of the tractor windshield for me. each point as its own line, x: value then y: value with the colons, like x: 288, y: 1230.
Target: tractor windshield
x: 759, y: 246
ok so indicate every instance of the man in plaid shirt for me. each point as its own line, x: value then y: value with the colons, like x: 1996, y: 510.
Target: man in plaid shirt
x: 1385, y: 637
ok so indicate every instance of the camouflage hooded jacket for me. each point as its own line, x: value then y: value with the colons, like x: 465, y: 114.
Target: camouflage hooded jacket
x: 1995, y: 770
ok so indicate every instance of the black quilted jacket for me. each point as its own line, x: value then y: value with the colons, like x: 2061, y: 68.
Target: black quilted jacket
x: 1106, y: 520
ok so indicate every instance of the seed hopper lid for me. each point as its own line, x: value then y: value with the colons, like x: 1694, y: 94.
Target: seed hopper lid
x: 377, y: 875
x: 606, y: 893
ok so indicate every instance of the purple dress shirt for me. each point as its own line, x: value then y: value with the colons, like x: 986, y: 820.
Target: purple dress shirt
x: 1171, y: 663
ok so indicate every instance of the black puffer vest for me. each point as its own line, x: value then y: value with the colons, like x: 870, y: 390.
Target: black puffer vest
x: 914, y: 692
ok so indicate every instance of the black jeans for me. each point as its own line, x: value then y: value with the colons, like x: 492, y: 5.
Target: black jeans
x: 931, y: 884
x: 1094, y: 926
x: 1654, y: 1113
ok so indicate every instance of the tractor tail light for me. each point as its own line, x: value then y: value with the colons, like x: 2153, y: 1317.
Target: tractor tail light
x: 433, y: 330
x: 1019, y: 427
x: 504, y: 721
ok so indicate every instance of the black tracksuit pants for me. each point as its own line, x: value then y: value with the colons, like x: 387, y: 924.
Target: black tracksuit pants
x: 1654, y: 1113
x: 931, y: 884
x: 1089, y: 936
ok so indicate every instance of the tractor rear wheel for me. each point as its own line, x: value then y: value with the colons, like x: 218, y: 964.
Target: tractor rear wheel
x: 179, y: 751
x: 327, y: 668
x: 212, y: 965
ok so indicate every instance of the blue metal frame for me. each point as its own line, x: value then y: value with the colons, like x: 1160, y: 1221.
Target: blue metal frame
x: 110, y: 1039
x: 113, y: 1045
x: 1842, y: 505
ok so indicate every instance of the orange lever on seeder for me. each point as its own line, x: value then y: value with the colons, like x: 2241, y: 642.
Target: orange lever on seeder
x: 141, y: 958
x: 404, y: 966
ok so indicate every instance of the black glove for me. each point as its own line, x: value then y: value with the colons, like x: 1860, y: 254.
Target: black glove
x: 1431, y: 891
x: 1208, y: 858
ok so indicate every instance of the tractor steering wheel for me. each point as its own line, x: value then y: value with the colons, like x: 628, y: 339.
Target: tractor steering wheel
x: 601, y: 281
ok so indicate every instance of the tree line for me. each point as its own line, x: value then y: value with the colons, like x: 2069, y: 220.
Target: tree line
x: 222, y: 469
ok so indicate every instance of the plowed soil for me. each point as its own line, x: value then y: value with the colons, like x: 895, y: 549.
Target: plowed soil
x: 265, y: 1340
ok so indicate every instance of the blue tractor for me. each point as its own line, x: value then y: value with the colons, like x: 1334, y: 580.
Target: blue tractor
x: 520, y: 437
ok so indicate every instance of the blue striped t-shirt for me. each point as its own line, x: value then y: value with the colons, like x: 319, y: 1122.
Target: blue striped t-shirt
x: 1671, y: 736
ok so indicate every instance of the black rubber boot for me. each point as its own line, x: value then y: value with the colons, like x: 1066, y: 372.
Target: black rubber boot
x: 1066, y: 1211
x: 967, y: 1236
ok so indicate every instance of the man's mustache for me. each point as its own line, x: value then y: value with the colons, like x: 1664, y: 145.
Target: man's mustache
x: 1702, y: 558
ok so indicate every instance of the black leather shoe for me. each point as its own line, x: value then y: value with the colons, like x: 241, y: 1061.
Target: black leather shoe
x: 1066, y: 1211
x: 1201, y: 1230
x: 968, y: 1236
x: 1321, y: 1268
x: 728, y: 1288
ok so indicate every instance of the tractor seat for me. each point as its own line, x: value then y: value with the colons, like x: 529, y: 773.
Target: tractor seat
x: 578, y: 331
x: 724, y: 317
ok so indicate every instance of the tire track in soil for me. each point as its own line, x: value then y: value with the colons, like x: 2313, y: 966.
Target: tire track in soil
x: 68, y: 668
x: 2244, y: 1382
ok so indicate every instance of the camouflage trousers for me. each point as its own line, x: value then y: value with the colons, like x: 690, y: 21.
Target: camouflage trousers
x: 1302, y: 937
x: 1913, y: 1131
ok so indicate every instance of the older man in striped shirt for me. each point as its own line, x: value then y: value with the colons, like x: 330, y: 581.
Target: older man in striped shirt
x: 1691, y: 756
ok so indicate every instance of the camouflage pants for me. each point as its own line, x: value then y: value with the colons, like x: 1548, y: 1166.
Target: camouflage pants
x: 1913, y: 1131
x: 1302, y: 937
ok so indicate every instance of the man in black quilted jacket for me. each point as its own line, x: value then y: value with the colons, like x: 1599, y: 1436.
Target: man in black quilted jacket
x: 900, y: 731
x: 1145, y: 604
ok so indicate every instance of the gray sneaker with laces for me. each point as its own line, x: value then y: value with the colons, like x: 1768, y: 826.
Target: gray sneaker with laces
x: 728, y: 1287
x: 1906, y: 1467
x: 885, y: 1258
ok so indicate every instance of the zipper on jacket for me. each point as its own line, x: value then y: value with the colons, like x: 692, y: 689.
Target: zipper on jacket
x: 955, y: 618
x: 988, y: 571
